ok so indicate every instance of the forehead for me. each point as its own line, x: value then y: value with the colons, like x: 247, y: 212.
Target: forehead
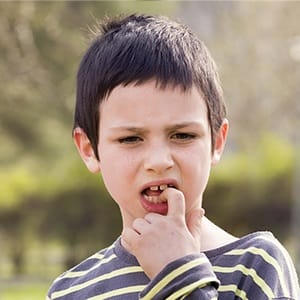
x: 148, y: 102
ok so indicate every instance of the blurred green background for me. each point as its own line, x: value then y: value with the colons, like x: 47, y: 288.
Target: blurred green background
x: 53, y: 213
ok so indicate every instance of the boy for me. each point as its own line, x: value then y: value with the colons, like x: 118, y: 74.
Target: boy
x: 150, y: 116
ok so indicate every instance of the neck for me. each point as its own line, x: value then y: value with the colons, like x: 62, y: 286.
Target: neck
x: 212, y: 236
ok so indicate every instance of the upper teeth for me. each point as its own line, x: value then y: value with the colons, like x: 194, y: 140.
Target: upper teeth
x: 161, y: 187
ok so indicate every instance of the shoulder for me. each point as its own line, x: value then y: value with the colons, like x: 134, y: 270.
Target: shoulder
x: 80, y: 272
x: 258, y: 242
x: 260, y: 248
x: 263, y: 258
x: 91, y: 262
x: 267, y: 247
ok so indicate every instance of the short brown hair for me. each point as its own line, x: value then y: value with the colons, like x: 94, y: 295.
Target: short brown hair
x: 136, y: 49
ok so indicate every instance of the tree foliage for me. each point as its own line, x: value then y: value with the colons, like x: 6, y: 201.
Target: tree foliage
x: 256, y: 47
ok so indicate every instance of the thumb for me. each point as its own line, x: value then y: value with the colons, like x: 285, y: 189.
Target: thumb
x: 194, y: 219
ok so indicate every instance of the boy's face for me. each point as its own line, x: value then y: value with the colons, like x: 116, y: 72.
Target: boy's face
x: 151, y: 138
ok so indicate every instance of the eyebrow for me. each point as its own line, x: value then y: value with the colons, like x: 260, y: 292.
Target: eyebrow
x: 186, y: 124
x: 168, y: 128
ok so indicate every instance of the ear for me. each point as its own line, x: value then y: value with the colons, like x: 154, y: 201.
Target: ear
x: 85, y: 150
x: 220, y: 141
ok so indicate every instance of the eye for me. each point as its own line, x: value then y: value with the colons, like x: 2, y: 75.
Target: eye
x: 129, y: 140
x: 183, y: 136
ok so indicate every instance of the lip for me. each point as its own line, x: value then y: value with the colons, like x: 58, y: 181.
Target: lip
x: 150, y: 207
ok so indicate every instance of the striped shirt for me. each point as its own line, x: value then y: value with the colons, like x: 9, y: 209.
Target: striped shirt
x: 255, y: 267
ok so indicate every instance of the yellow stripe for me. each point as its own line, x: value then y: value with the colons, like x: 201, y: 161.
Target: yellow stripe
x: 94, y: 256
x: 233, y: 288
x: 289, y: 263
x: 160, y: 285
x: 100, y: 255
x: 118, y: 292
x: 82, y: 273
x: 268, y: 258
x: 246, y: 271
x: 110, y: 275
x: 190, y: 288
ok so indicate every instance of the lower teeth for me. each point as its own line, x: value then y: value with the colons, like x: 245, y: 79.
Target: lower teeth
x: 153, y: 199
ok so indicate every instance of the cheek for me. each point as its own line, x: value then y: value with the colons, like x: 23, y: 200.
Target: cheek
x: 198, y: 158
x: 117, y: 171
x: 198, y: 174
x: 197, y: 169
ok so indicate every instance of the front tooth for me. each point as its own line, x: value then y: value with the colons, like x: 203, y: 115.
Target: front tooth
x: 154, y: 188
x: 162, y: 187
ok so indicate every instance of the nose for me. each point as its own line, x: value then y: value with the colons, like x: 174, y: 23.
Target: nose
x: 158, y: 158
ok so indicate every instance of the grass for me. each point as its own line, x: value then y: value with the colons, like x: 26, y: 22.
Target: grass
x: 24, y: 291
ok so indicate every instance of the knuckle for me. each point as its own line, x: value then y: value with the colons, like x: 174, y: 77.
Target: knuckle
x: 151, y: 217
x: 136, y: 222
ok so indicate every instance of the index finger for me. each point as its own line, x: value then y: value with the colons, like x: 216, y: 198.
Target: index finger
x: 176, y: 202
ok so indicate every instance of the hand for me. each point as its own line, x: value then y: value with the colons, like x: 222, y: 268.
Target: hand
x: 157, y: 240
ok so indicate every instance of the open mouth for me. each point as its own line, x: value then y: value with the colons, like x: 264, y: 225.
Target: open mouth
x: 152, y: 193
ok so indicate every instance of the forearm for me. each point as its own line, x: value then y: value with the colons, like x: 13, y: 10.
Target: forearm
x: 190, y: 277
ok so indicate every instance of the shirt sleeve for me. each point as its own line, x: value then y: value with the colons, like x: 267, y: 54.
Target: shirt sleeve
x: 190, y: 277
